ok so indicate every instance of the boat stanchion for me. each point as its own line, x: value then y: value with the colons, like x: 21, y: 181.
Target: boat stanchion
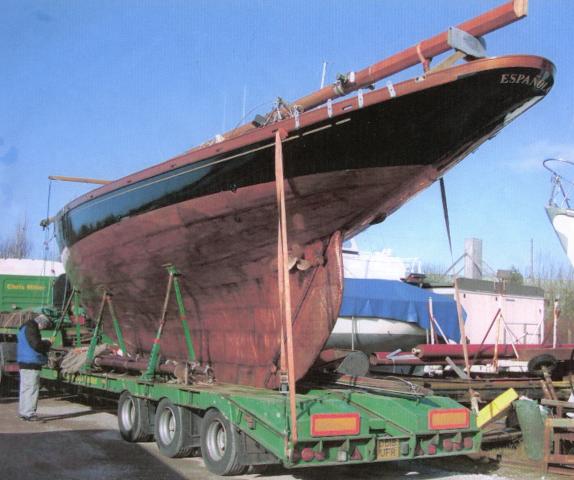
x: 154, y: 354
x: 95, y: 336
x: 173, y: 281
x: 60, y: 322
x: 182, y: 313
x: 116, y: 324
x: 97, y: 333
x: 76, y: 312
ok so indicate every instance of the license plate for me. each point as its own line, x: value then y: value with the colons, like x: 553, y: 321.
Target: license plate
x: 388, y: 449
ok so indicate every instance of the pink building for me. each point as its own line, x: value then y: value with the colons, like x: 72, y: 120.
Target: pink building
x: 521, y: 308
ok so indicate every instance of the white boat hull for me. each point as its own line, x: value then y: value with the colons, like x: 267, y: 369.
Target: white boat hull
x: 375, y: 334
x: 562, y: 220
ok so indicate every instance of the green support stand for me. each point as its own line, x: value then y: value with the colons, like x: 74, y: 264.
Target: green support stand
x: 149, y: 374
x: 95, y: 336
x: 76, y: 312
x: 116, y: 324
x: 182, y: 314
x: 60, y: 322
x: 78, y: 335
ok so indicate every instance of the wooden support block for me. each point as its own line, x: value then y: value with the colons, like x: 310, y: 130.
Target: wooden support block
x: 547, y: 445
x: 556, y: 403
x: 545, y: 390
x: 561, y: 471
x: 548, y: 381
x: 553, y: 448
x: 561, y: 422
x: 496, y: 408
x: 564, y: 436
x: 561, y: 459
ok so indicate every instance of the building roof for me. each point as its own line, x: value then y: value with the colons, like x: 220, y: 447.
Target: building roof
x: 26, y: 266
x: 500, y: 288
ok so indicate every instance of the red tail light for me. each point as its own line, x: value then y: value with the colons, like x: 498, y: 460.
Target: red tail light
x: 307, y: 454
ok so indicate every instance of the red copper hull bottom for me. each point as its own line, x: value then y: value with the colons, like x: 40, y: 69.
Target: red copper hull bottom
x: 227, y: 256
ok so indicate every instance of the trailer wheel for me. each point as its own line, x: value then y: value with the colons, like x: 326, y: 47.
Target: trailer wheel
x: 536, y: 364
x: 220, y: 445
x: 135, y: 418
x: 173, y: 432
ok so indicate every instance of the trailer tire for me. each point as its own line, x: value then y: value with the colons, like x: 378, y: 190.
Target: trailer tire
x: 135, y: 418
x: 536, y: 364
x: 173, y: 432
x: 220, y: 445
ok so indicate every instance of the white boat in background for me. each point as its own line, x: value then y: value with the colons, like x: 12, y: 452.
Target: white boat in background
x: 379, y: 312
x: 379, y: 315
x: 559, y: 209
x: 381, y: 264
x: 371, y: 334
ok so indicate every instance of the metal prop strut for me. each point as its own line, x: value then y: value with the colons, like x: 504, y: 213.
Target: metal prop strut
x: 96, y: 336
x: 173, y: 281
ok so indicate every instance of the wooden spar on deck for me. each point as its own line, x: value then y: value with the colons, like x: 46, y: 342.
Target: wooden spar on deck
x: 47, y: 221
x: 423, y: 52
x: 79, y: 179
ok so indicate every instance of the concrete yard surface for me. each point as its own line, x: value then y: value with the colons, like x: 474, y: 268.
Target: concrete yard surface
x: 76, y: 441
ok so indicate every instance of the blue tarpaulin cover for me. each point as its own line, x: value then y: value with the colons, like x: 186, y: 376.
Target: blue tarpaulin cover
x: 399, y: 301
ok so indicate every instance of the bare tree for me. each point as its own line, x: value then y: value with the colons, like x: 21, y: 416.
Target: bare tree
x: 18, y: 245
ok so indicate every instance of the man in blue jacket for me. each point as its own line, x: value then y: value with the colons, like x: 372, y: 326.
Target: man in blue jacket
x: 32, y: 354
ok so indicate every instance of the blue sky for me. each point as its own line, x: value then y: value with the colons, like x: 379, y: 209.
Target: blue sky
x: 104, y: 88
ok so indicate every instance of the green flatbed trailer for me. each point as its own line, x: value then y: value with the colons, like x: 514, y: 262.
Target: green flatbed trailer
x: 237, y: 426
